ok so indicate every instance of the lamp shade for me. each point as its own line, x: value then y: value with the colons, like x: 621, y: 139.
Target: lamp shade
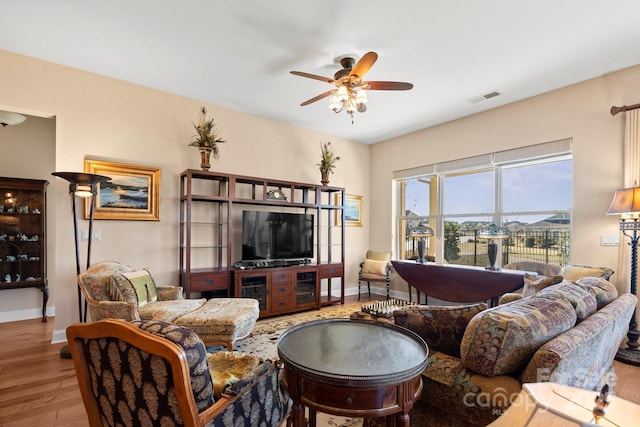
x: 422, y: 230
x: 625, y: 201
x: 549, y: 404
x: 81, y: 184
x: 493, y: 232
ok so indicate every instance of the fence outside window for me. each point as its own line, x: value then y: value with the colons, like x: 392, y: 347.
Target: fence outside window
x: 463, y: 247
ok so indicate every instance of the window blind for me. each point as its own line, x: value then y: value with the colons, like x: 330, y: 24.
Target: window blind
x: 530, y: 152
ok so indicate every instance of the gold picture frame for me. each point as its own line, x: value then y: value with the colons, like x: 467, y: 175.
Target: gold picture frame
x: 353, y: 210
x: 133, y: 193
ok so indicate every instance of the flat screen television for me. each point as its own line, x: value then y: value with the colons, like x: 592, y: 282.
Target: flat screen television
x: 276, y: 235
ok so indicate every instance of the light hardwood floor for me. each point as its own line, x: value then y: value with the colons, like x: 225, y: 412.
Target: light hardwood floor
x: 38, y: 388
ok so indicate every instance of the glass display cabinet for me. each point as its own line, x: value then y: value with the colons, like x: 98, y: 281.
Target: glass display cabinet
x: 23, y: 236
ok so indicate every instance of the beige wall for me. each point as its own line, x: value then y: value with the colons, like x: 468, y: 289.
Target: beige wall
x: 580, y: 112
x: 102, y: 118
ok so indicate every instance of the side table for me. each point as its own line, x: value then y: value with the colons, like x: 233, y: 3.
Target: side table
x: 352, y: 368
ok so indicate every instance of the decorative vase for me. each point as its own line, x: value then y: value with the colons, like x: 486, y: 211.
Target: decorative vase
x: 205, y: 158
x: 325, y: 178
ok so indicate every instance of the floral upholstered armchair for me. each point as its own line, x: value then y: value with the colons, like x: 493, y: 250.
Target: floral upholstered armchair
x: 117, y: 291
x: 144, y: 373
x: 100, y: 285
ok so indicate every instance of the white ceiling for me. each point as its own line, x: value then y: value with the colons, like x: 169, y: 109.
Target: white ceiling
x: 238, y: 54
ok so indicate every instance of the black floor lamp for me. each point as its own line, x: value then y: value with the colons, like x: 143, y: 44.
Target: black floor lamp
x: 626, y: 202
x: 83, y: 185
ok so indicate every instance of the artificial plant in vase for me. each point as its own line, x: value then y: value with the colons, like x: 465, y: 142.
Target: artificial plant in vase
x: 206, y: 139
x: 327, y: 161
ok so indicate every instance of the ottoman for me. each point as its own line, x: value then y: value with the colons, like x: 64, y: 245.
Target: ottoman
x: 222, y: 320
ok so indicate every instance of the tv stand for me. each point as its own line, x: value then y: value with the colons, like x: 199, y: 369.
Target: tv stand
x: 211, y: 205
x: 280, y: 290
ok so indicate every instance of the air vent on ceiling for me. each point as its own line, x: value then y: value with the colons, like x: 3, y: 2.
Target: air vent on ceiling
x: 484, y: 97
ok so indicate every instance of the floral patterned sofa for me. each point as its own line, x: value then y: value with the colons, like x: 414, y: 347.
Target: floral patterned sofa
x: 118, y: 291
x: 567, y: 333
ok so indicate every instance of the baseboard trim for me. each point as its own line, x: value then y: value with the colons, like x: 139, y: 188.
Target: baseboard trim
x: 59, y: 336
x: 28, y: 314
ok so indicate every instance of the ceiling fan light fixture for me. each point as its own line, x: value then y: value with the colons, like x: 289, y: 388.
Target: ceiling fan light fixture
x: 343, y: 94
x: 361, y: 98
x: 334, y: 104
x: 350, y: 89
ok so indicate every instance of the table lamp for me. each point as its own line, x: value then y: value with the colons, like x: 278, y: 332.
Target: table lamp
x: 626, y: 202
x: 422, y: 232
x: 550, y: 404
x: 493, y: 233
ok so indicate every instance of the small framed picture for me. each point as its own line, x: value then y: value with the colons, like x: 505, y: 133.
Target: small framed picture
x: 133, y: 193
x: 353, y: 210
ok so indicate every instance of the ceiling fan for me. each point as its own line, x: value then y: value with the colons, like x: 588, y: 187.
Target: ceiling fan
x: 350, y: 90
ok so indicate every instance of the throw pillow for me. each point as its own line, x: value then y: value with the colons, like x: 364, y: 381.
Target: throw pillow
x: 378, y: 256
x: 501, y: 340
x: 574, y: 272
x: 583, y: 301
x: 442, y: 327
x: 602, y: 290
x: 379, y: 268
x: 136, y: 283
x: 227, y: 368
x: 533, y: 283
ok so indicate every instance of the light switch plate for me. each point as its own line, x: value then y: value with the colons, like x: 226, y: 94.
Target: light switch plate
x: 609, y: 240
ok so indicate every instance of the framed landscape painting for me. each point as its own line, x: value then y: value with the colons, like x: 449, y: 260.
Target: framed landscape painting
x: 352, y: 210
x: 133, y: 193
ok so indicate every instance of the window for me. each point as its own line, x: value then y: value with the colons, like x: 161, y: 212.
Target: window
x: 527, y: 191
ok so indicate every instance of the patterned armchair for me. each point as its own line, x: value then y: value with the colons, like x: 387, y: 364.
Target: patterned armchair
x: 117, y: 291
x: 156, y: 373
x: 100, y: 294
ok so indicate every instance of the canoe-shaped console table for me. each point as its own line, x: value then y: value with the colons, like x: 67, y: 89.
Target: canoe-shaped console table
x: 459, y: 283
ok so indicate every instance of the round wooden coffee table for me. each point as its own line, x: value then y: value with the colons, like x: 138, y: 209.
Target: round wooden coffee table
x: 352, y: 368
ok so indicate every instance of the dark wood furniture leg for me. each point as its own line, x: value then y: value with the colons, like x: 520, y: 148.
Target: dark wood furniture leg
x: 402, y: 419
x: 45, y: 298
x: 312, y: 417
x: 297, y: 414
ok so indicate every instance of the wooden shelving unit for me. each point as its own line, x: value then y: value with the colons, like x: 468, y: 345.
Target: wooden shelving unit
x: 210, y: 203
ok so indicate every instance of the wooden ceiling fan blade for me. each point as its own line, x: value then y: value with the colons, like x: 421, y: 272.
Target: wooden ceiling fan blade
x: 318, y: 98
x: 388, y: 85
x: 312, y: 76
x: 364, y: 64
